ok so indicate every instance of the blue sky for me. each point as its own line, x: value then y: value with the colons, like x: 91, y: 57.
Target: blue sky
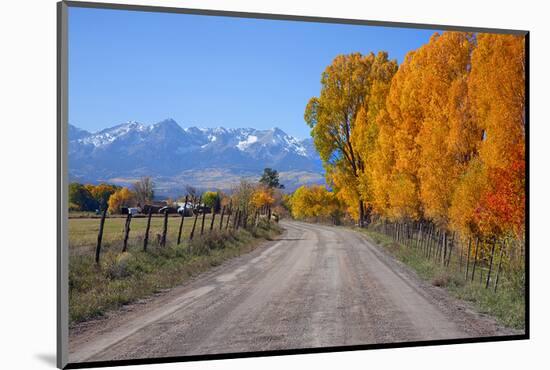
x: 208, y: 71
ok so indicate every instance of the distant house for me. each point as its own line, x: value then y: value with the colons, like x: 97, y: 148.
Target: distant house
x: 185, y: 209
x: 167, y: 209
x: 150, y: 208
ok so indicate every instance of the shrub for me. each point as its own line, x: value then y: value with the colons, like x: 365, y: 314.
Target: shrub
x: 116, y: 267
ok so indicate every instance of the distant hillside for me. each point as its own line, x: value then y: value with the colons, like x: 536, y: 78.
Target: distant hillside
x: 203, y: 157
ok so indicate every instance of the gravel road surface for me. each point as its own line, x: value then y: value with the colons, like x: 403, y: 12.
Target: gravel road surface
x: 315, y: 286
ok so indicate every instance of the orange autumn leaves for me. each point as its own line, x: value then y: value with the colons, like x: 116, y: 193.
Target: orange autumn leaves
x: 441, y: 138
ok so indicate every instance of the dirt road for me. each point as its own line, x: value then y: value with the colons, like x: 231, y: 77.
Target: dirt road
x: 316, y: 286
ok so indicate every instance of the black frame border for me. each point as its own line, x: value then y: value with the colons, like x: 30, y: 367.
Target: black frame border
x: 62, y: 105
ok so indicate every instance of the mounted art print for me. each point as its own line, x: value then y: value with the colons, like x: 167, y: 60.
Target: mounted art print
x: 240, y: 184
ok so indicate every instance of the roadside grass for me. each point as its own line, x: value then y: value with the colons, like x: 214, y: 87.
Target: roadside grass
x: 507, y: 304
x: 122, y: 278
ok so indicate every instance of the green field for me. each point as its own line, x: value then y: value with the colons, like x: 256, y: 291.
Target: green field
x: 122, y: 278
x: 83, y: 231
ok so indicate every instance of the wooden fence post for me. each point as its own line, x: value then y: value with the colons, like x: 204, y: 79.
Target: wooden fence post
x: 164, y: 229
x: 146, y: 238
x: 433, y: 243
x: 444, y: 248
x: 451, y: 244
x: 475, y: 259
x: 194, y: 226
x: 480, y: 275
x: 229, y: 213
x: 182, y: 219
x: 442, y: 241
x: 502, y: 246
x: 237, y: 219
x: 213, y: 218
x: 490, y: 265
x: 100, y: 235
x: 419, y: 237
x: 126, y: 232
x: 195, y: 222
x: 234, y: 222
x: 203, y: 218
x: 221, y: 217
x: 468, y: 256
x: 461, y: 255
x: 429, y: 241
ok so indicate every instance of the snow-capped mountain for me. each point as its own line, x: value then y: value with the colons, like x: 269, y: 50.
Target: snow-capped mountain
x: 176, y: 155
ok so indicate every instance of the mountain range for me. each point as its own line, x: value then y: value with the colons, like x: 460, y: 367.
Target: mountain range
x: 208, y: 158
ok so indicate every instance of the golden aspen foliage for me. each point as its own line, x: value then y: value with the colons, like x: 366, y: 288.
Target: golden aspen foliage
x: 345, y: 185
x: 381, y: 166
x: 365, y: 131
x: 103, y: 192
x: 497, y: 95
x: 262, y: 196
x: 314, y: 202
x: 121, y: 198
x: 466, y: 197
x: 405, y: 112
x: 347, y: 86
x: 440, y: 138
x: 441, y: 90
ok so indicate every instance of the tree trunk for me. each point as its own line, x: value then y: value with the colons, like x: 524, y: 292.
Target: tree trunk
x: 367, y: 215
x: 361, y: 213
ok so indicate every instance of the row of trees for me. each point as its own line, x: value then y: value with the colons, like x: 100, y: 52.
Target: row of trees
x: 89, y: 197
x: 246, y: 195
x: 440, y: 138
x: 315, y: 203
